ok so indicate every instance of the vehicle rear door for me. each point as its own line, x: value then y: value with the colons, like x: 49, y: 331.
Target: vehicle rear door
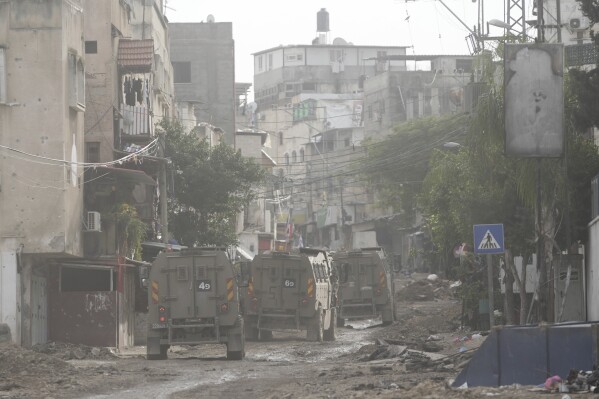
x: 207, y: 285
x: 179, y: 277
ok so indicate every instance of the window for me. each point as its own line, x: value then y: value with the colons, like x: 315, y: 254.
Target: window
x: 347, y: 142
x: 91, y: 47
x: 302, y: 155
x: 182, y: 72
x: 309, y: 86
x: 281, y: 138
x: 76, y: 82
x: 294, y: 57
x: 260, y: 63
x: 2, y: 75
x: 286, y: 159
x: 335, y: 55
x: 463, y: 66
x: 73, y: 279
x: 293, y: 157
x: 92, y: 152
x: 269, y: 62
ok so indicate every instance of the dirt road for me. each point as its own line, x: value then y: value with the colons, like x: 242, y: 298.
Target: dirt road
x: 412, y: 358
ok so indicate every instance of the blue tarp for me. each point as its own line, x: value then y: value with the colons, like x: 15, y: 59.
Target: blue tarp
x: 528, y: 355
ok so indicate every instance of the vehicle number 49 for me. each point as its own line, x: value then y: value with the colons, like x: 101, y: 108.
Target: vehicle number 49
x: 204, y: 285
x: 289, y: 283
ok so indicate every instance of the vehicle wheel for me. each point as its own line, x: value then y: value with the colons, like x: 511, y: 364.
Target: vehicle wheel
x: 237, y: 355
x: 236, y: 342
x: 162, y: 356
x: 315, y: 330
x: 251, y: 333
x: 387, y: 316
x: 265, y: 335
x: 330, y: 333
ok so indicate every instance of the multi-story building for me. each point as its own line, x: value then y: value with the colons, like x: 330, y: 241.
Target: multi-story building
x: 282, y: 72
x: 319, y: 103
x: 204, y: 73
x: 42, y: 104
x: 130, y: 87
x: 65, y: 275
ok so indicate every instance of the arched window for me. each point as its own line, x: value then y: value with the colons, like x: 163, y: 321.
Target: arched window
x: 286, y: 159
x: 302, y: 155
x: 293, y: 157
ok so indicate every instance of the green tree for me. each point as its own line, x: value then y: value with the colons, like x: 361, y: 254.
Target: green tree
x: 584, y: 83
x: 211, y: 186
x: 478, y: 184
x: 130, y: 230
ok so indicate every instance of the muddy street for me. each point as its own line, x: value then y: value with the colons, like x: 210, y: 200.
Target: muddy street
x: 416, y: 357
x: 203, y: 370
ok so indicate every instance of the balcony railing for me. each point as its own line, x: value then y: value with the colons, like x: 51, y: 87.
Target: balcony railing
x: 136, y: 121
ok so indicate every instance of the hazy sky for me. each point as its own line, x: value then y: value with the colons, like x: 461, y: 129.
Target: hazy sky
x: 262, y: 24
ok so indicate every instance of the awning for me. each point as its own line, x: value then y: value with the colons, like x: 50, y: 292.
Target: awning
x: 131, y: 175
x: 136, y: 55
x: 244, y: 254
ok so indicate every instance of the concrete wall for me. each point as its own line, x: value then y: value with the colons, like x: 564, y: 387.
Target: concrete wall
x: 41, y: 200
x: 209, y: 47
x: 101, y: 71
x: 148, y: 22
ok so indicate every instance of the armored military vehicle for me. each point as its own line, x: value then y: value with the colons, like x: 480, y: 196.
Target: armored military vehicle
x: 193, y: 299
x: 365, y: 285
x: 291, y: 291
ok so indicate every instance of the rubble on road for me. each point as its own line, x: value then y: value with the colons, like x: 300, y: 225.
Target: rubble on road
x: 67, y: 351
x: 416, y: 360
x: 21, y: 369
x: 426, y: 290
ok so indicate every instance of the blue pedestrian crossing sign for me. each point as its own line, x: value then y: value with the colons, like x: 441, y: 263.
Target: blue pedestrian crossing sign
x: 488, y: 239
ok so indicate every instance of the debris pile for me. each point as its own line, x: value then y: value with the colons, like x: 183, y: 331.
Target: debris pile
x: 578, y: 381
x: 426, y: 290
x: 416, y: 360
x: 20, y: 370
x: 66, y: 351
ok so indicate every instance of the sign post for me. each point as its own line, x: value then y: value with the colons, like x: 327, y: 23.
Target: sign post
x: 488, y: 239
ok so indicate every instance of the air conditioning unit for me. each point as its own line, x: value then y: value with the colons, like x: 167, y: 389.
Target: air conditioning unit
x: 93, y: 221
x: 581, y: 23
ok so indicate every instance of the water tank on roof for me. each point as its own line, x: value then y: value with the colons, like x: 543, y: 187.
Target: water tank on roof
x: 322, y: 20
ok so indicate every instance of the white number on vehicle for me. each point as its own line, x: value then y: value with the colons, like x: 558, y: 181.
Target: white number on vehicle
x: 289, y: 283
x: 204, y: 285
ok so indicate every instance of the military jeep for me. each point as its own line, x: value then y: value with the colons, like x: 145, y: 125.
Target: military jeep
x: 365, y: 285
x: 291, y: 292
x: 193, y: 299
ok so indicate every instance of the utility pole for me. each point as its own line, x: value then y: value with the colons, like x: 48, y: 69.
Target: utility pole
x: 541, y: 266
x: 162, y: 186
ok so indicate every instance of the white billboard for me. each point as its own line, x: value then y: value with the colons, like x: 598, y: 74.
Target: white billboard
x: 534, y: 100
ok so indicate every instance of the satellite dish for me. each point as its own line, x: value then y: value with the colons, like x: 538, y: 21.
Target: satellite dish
x: 339, y: 41
x: 210, y: 18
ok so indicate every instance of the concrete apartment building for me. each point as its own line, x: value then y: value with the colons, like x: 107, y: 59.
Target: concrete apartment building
x: 64, y: 276
x: 319, y: 102
x: 203, y: 60
x: 42, y: 104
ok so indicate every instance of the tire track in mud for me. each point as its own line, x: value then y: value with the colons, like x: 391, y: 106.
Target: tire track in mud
x: 189, y: 369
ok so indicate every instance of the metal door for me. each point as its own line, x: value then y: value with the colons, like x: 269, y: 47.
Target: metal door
x: 207, y: 285
x: 39, y: 310
x: 179, y: 278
